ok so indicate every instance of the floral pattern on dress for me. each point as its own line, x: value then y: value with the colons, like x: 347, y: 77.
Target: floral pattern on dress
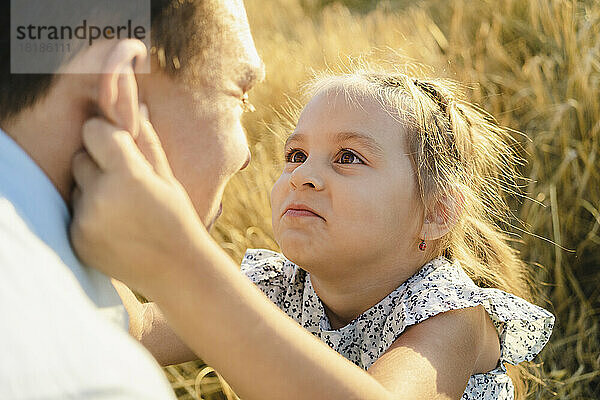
x: 439, y: 286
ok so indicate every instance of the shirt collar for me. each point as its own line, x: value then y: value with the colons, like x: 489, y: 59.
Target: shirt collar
x: 33, y: 195
x: 40, y: 205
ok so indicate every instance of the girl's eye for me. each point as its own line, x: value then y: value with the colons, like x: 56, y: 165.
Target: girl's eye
x: 295, y: 156
x: 348, y: 157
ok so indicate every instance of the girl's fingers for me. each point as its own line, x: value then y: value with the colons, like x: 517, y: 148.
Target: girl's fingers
x: 85, y: 170
x: 112, y: 149
x: 149, y: 145
x: 75, y: 197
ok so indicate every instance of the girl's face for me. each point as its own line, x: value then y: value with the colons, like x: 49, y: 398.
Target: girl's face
x: 347, y: 195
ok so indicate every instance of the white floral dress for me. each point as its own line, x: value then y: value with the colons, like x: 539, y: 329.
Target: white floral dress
x: 438, y: 286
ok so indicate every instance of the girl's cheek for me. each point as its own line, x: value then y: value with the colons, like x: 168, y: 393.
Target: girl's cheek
x: 278, y: 191
x: 277, y: 185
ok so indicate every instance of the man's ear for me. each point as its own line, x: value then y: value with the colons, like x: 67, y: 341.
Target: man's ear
x: 443, y: 216
x: 118, y: 89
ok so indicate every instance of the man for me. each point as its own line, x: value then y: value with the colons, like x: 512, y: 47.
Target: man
x: 63, y: 326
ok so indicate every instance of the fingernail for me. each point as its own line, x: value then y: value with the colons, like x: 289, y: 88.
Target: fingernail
x: 144, y: 111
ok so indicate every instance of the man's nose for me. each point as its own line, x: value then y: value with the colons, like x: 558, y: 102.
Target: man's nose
x: 306, y: 175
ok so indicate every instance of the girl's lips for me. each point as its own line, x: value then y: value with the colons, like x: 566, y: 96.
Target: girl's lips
x: 292, y: 212
x: 300, y: 210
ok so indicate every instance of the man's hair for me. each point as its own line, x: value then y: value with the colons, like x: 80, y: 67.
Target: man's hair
x: 183, y: 34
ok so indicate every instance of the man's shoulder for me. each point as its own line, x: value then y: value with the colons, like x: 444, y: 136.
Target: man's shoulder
x: 12, y: 226
x: 24, y: 256
x: 52, y: 334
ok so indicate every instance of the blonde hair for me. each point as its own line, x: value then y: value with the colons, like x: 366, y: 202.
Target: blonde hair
x: 464, y: 163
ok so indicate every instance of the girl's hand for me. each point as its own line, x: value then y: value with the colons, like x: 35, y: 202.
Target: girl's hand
x: 130, y: 215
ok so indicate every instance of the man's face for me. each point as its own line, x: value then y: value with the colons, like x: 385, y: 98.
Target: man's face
x: 200, y: 124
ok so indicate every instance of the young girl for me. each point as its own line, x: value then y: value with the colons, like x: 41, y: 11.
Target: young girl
x: 385, y: 215
x: 387, y: 198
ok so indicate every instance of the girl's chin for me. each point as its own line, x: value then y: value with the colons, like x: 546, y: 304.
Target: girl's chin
x: 302, y: 249
x: 298, y: 256
x: 294, y: 241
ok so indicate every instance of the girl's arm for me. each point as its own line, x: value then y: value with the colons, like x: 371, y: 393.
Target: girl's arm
x: 266, y: 355
x: 431, y: 347
x: 260, y: 351
x: 148, y: 325
x: 439, y: 355
x: 158, y: 246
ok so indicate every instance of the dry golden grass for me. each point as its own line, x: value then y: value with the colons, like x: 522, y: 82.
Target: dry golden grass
x: 534, y: 65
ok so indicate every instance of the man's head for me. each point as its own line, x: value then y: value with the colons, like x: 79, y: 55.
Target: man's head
x: 203, y: 62
x: 198, y: 114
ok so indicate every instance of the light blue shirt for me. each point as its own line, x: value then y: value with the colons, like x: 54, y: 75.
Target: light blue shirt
x: 63, y: 328
x: 42, y: 208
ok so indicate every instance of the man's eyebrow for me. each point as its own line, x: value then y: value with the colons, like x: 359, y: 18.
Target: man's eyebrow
x: 250, y: 74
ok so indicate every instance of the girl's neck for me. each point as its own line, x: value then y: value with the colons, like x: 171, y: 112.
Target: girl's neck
x: 345, y: 298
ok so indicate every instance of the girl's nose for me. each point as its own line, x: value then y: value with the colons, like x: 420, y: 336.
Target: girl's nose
x: 305, y: 176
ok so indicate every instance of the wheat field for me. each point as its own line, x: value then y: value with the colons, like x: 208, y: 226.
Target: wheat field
x: 533, y: 64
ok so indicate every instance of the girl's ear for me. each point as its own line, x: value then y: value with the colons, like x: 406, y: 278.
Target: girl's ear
x: 117, y: 86
x: 444, y: 215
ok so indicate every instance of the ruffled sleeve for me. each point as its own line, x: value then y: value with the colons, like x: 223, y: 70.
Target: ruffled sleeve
x: 523, y: 328
x: 268, y: 270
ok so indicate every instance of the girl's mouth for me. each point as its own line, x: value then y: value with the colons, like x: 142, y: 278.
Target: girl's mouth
x: 300, y: 210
